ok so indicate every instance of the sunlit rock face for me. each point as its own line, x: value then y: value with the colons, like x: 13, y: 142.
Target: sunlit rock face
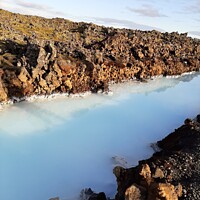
x: 57, y: 147
x: 38, y: 57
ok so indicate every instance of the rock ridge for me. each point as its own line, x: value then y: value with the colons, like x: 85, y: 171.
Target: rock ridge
x: 41, y: 56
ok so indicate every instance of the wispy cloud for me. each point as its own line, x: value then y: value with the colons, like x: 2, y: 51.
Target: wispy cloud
x: 195, y: 8
x: 191, y: 7
x: 38, y: 7
x: 194, y: 34
x: 147, y: 10
x: 5, y: 4
x: 32, y: 5
x: 197, y: 33
x: 123, y: 24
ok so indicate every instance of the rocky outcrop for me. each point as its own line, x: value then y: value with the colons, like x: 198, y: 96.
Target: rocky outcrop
x: 39, y: 57
x: 170, y: 174
x: 3, y: 91
x: 88, y: 194
x: 173, y: 173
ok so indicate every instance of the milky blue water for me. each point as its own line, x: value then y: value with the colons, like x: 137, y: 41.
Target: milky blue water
x: 57, y: 147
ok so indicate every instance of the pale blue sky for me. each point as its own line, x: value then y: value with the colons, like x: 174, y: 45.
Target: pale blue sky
x: 167, y: 15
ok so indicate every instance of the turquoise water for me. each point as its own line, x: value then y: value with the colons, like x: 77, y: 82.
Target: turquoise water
x: 58, y: 147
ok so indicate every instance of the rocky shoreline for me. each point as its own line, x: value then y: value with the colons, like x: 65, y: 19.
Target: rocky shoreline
x: 47, y: 97
x: 170, y: 174
x: 173, y: 173
x: 41, y: 56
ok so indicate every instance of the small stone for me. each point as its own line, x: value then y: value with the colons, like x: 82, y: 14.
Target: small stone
x: 198, y: 118
x: 55, y: 198
x: 188, y: 122
x: 158, y: 173
x: 135, y: 192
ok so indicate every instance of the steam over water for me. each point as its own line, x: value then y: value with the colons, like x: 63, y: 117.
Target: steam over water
x: 57, y: 147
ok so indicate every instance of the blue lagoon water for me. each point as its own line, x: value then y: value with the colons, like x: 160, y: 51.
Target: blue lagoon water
x: 57, y: 147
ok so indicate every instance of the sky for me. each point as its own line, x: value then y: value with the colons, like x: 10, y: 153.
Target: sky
x: 165, y: 15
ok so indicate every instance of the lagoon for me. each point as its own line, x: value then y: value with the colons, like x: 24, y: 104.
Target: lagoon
x: 60, y: 146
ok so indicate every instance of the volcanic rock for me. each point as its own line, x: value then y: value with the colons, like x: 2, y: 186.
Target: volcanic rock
x: 173, y: 173
x: 38, y: 57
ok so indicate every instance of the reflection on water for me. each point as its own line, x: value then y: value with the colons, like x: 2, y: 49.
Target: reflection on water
x: 57, y: 147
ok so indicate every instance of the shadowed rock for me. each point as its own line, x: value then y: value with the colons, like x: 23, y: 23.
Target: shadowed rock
x: 173, y: 173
